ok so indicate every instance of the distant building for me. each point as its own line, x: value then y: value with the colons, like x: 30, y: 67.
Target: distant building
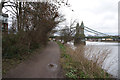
x: 4, y: 22
x: 109, y: 39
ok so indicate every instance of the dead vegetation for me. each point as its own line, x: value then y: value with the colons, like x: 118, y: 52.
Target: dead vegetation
x: 33, y: 23
x: 84, y: 63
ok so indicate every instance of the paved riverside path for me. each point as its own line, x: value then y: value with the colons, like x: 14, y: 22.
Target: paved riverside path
x: 43, y: 65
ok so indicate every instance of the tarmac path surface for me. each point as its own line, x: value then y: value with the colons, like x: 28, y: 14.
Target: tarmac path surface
x: 43, y: 65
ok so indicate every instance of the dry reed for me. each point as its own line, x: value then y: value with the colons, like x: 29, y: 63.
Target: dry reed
x: 89, y: 60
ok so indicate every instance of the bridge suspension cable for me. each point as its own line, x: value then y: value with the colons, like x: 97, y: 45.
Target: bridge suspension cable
x: 89, y: 30
x: 94, y: 31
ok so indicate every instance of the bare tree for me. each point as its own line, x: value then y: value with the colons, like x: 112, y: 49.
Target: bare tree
x: 68, y: 32
x: 35, y: 22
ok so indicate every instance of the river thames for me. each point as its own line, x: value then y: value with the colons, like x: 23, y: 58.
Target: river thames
x: 111, y: 62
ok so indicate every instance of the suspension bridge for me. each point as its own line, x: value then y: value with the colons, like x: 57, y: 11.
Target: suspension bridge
x: 80, y: 38
x: 99, y: 36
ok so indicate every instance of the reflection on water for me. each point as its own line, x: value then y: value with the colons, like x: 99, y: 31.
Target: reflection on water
x: 111, y: 62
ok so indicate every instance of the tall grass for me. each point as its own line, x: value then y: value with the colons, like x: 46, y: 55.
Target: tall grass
x: 91, y: 59
x: 85, y: 62
x: 97, y: 54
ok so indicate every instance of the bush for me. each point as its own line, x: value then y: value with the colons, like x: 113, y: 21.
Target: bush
x: 13, y: 47
x: 9, y: 48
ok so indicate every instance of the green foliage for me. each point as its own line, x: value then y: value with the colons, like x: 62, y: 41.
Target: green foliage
x: 61, y: 45
x: 63, y: 49
x: 13, y: 47
x: 71, y: 74
x: 66, y: 55
x: 8, y: 46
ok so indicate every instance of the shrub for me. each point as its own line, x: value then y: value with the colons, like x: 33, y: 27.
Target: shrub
x: 9, y: 47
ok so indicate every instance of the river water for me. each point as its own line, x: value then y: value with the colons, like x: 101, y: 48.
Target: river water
x: 111, y: 62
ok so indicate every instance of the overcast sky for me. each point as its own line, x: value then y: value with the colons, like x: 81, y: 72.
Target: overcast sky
x: 100, y: 15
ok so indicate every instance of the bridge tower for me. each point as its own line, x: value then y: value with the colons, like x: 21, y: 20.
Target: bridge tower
x: 79, y: 36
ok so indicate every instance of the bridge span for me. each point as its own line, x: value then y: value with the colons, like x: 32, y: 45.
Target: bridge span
x: 80, y: 38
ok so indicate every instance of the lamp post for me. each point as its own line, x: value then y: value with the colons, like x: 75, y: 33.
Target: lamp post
x: 1, y: 18
x: 1, y: 39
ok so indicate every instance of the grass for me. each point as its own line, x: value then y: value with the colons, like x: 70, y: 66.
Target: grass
x: 65, y: 62
x: 76, y: 65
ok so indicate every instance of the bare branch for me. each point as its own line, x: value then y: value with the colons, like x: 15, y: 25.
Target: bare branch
x: 13, y: 8
x: 10, y: 11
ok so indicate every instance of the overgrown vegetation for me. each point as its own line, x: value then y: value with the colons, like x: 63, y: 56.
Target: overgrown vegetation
x: 75, y: 65
x: 31, y: 28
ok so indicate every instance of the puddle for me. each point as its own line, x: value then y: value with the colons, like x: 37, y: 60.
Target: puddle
x: 52, y: 66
